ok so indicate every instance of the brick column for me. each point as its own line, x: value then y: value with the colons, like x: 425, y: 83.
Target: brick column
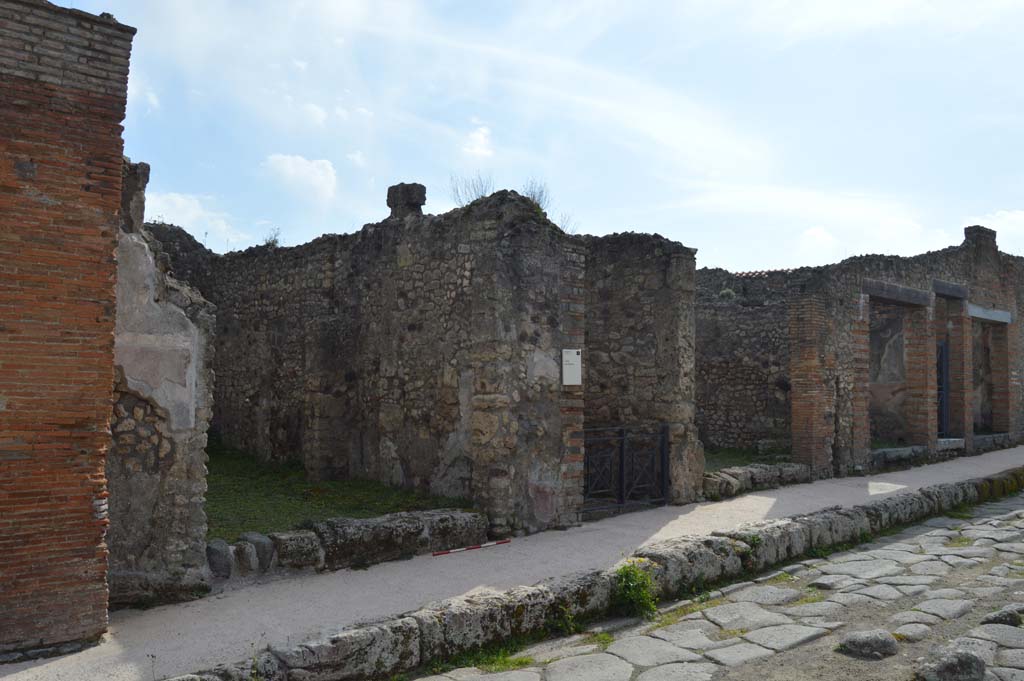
x: 921, y: 405
x: 63, y: 81
x: 573, y: 307
x: 961, y: 371
x: 812, y: 402
x: 862, y: 380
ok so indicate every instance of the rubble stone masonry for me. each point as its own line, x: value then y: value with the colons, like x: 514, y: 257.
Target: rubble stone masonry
x: 859, y: 356
x: 63, y: 81
x: 425, y: 351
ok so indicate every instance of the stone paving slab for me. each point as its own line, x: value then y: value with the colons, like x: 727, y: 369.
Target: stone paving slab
x: 866, y: 586
x: 599, y: 667
x: 738, y: 654
x: 785, y: 636
x: 744, y: 616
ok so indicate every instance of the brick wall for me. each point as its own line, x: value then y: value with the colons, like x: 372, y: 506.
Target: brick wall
x: 63, y: 79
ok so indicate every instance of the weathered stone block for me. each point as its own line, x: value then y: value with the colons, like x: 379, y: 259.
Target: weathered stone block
x: 219, y: 558
x: 298, y: 549
x: 264, y: 548
x: 379, y: 650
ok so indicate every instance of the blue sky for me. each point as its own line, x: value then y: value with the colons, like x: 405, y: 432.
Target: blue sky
x: 767, y: 134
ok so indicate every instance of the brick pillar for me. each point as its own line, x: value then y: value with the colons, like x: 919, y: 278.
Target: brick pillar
x: 961, y: 369
x: 1001, y: 408
x: 812, y: 401
x: 862, y: 380
x: 63, y: 82
x: 573, y: 307
x: 921, y: 405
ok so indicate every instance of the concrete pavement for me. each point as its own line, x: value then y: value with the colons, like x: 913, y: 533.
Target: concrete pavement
x: 177, y: 639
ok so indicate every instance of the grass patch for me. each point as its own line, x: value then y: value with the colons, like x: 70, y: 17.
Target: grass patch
x: 723, y: 634
x: 783, y: 578
x: 810, y: 596
x: 675, y: 616
x: 725, y: 458
x: 601, y: 639
x: 500, y: 657
x: 960, y: 512
x: 960, y: 541
x: 246, y: 496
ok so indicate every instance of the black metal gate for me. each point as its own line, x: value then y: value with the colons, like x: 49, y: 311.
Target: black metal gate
x: 942, y: 381
x: 625, y: 467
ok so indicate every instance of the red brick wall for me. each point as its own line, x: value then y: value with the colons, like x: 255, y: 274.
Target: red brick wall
x: 63, y: 78
x: 961, y: 365
x: 921, y: 402
x: 813, y: 400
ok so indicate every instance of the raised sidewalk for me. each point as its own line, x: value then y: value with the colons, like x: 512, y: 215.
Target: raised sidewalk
x: 178, y: 639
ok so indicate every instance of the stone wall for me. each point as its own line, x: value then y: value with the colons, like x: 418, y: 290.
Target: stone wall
x: 742, y: 360
x: 63, y: 84
x: 971, y: 279
x: 639, y: 343
x: 424, y: 351
x: 156, y: 468
x: 861, y: 337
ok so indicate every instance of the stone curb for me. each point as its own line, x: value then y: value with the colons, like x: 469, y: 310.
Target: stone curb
x: 339, y: 543
x: 736, y: 480
x: 456, y: 625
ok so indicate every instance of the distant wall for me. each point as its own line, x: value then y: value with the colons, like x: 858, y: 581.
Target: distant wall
x: 63, y: 87
x: 742, y: 346
x: 425, y: 351
x: 639, y: 355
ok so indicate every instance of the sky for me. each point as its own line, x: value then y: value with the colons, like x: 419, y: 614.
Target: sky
x: 765, y: 133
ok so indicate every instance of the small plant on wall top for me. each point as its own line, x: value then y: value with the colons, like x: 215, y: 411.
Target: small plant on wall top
x: 633, y: 592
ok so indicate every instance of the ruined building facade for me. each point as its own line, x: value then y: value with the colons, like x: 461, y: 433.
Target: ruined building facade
x: 426, y: 352
x: 874, y: 361
x: 162, y: 404
x: 62, y: 99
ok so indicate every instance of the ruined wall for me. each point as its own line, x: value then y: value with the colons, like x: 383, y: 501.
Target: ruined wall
x: 742, y: 345
x: 974, y: 272
x: 63, y: 80
x: 421, y: 351
x: 156, y: 468
x: 639, y: 347
x: 424, y: 351
x: 859, y: 342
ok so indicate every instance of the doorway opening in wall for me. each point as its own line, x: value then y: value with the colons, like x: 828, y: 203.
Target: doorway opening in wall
x: 990, y: 398
x: 625, y: 469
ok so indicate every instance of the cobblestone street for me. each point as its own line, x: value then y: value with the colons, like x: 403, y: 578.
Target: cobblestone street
x: 910, y: 602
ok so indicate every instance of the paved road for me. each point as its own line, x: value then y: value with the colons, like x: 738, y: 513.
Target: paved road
x: 941, y: 584
x: 172, y: 640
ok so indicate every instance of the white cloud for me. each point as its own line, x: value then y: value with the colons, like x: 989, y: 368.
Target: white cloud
x: 300, y: 65
x: 194, y: 213
x: 316, y: 114
x: 815, y: 227
x: 309, y: 179
x: 142, y: 93
x: 341, y: 112
x: 357, y: 158
x: 818, y: 19
x: 362, y: 110
x: 478, y: 142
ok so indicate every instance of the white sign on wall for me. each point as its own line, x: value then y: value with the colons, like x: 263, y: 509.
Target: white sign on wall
x: 572, y: 367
